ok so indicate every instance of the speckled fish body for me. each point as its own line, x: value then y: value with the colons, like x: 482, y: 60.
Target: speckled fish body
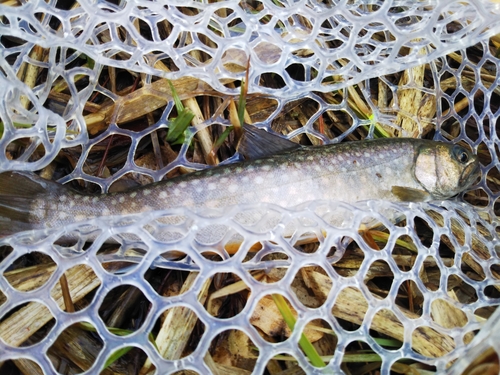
x: 389, y: 169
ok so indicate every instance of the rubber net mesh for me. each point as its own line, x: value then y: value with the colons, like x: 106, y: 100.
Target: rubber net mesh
x: 86, y: 100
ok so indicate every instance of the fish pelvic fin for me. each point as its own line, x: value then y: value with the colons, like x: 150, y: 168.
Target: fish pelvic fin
x: 406, y: 194
x: 17, y: 192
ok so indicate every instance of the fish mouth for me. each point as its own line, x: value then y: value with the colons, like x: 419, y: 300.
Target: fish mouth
x: 470, y: 174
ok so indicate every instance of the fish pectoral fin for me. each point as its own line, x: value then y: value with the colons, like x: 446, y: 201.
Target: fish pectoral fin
x: 257, y: 143
x: 407, y: 194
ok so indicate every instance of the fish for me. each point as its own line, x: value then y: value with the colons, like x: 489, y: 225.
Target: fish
x: 393, y: 169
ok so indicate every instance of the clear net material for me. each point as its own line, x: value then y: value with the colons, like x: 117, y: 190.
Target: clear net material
x: 85, y: 99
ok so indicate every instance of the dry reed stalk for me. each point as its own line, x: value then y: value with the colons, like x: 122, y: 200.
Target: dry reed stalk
x: 178, y: 324
x: 351, y: 306
x: 18, y: 327
x: 410, y: 101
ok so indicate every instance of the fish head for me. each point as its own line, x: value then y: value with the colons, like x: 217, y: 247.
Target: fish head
x: 444, y: 170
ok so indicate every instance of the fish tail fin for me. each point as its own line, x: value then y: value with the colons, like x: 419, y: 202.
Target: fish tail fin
x: 17, y: 192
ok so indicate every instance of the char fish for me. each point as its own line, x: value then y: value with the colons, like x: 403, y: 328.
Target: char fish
x: 391, y: 169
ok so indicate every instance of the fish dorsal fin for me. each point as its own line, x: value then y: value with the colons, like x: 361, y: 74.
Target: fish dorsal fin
x: 257, y: 143
x: 407, y: 194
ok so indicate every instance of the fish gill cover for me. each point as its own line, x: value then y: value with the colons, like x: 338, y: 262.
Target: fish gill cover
x: 87, y: 100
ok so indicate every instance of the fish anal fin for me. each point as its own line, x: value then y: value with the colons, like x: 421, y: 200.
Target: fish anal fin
x: 407, y: 194
x: 257, y: 143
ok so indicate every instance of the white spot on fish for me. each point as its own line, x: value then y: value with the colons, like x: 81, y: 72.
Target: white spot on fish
x: 224, y: 180
x: 79, y: 217
x: 133, y: 204
x: 317, y: 168
x: 121, y: 199
x: 146, y: 191
x: 211, y: 204
x: 53, y: 206
x: 86, y: 198
x: 113, y: 202
x: 133, y: 195
x: 367, y: 154
x: 63, y: 215
x: 266, y: 168
x: 212, y: 186
x: 340, y: 157
x: 63, y: 198
x: 95, y: 199
x: 106, y: 212
x: 183, y: 184
x: 258, y: 161
x: 233, y: 188
x: 239, y: 170
x: 163, y: 194
x: 71, y: 203
x: 177, y: 192
x: 245, y: 179
x: 343, y: 169
x: 259, y: 180
x: 330, y: 168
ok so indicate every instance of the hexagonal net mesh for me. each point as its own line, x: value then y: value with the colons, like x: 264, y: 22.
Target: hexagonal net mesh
x: 87, y: 101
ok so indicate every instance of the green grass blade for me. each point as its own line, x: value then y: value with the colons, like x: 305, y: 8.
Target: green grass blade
x: 347, y: 358
x: 179, y: 125
x: 117, y: 355
x: 178, y: 103
x: 119, y: 332
x: 304, y: 343
x: 223, y: 137
x: 17, y: 125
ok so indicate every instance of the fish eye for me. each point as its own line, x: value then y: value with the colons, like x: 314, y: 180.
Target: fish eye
x: 461, y: 154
